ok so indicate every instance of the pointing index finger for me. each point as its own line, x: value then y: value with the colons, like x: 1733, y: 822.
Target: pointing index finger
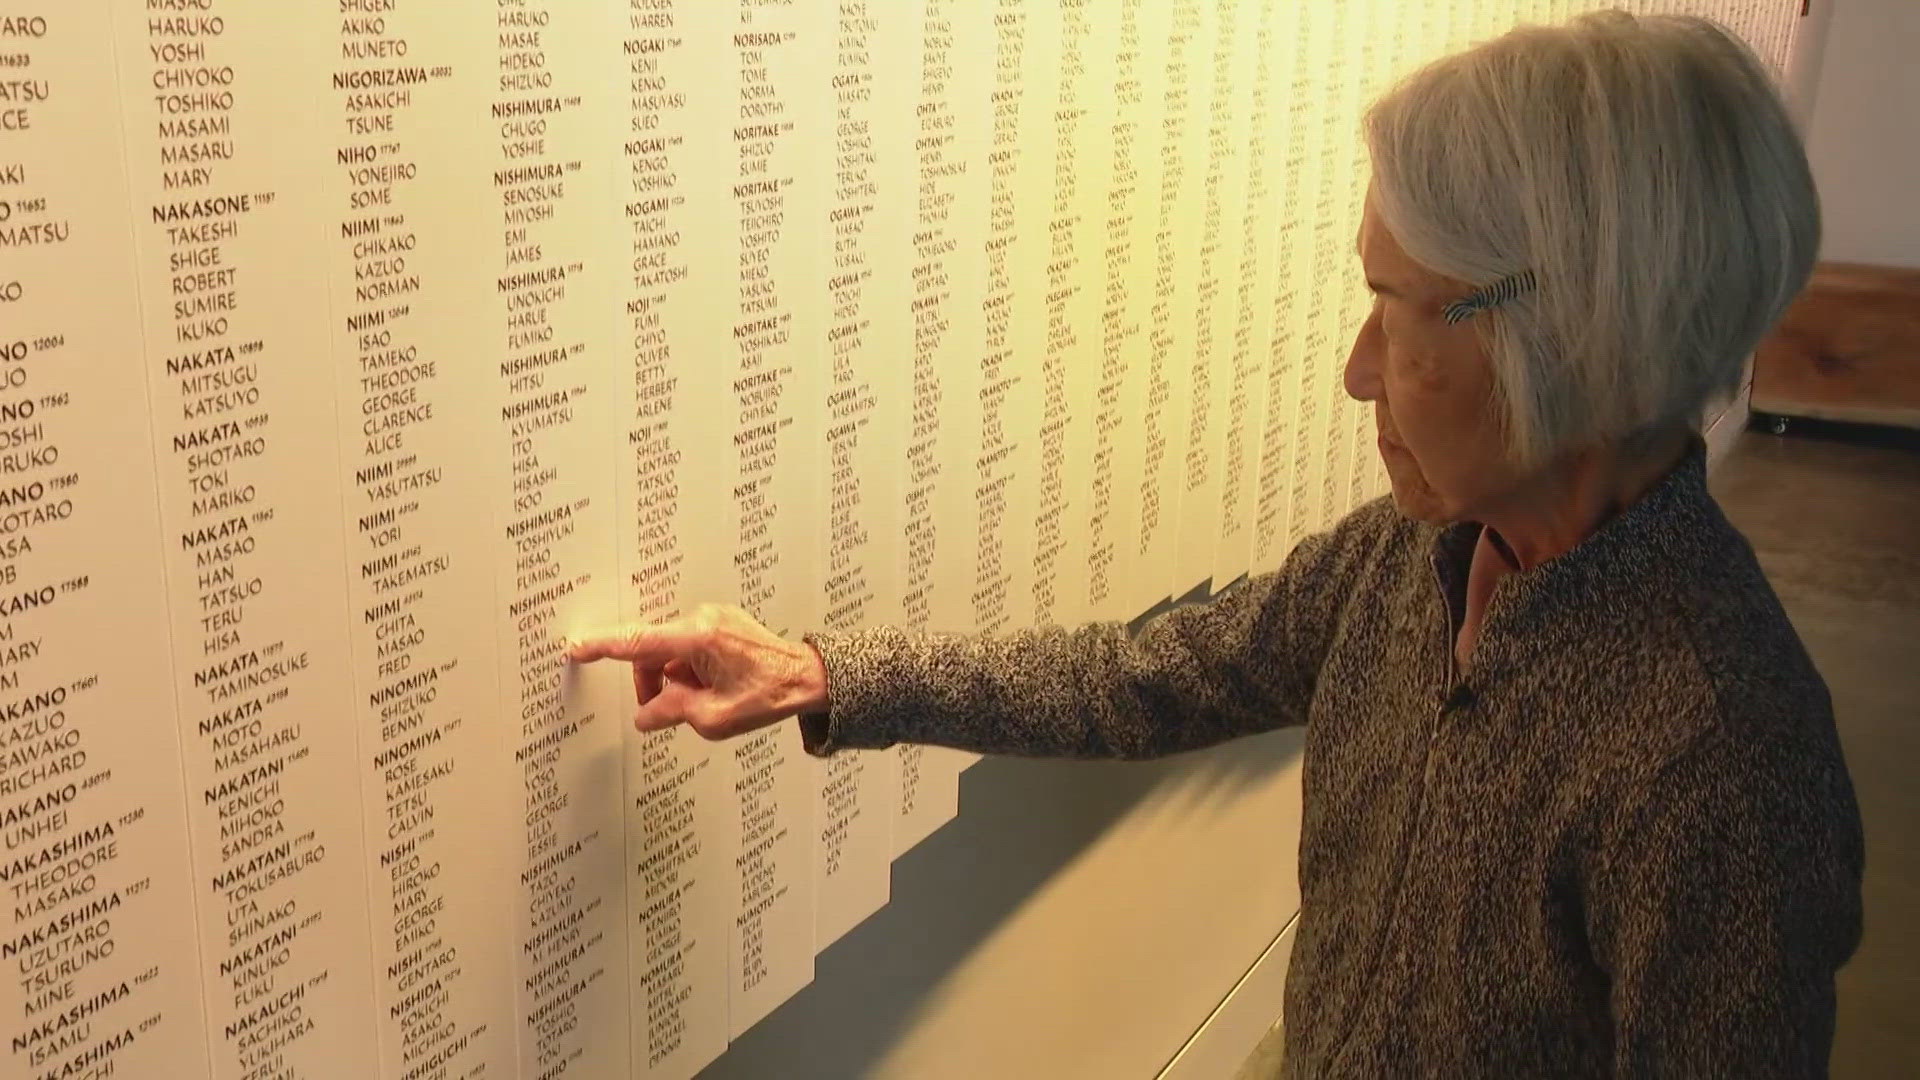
x: 653, y: 645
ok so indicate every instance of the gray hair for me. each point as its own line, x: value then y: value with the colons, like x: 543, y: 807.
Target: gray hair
x: 1646, y: 171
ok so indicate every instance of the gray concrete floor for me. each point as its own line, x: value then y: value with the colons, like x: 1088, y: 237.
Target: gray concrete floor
x: 1834, y: 516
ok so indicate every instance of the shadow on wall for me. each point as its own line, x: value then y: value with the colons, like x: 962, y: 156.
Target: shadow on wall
x: 1021, y: 822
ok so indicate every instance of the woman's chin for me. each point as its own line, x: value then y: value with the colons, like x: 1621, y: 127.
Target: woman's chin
x: 1415, y: 500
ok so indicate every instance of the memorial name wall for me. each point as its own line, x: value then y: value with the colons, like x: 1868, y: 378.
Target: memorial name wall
x: 353, y: 354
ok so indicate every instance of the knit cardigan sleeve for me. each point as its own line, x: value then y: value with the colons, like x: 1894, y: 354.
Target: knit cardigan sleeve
x: 1197, y: 675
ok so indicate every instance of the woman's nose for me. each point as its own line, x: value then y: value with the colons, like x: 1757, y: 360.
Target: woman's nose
x: 1363, y: 363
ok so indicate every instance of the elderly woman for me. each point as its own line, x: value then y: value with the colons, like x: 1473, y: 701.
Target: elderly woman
x: 1574, y: 802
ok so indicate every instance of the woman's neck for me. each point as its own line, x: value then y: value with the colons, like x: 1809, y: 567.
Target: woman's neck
x: 1553, y: 514
x: 1567, y: 502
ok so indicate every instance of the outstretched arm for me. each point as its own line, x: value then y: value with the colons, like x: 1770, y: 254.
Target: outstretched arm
x: 1243, y: 663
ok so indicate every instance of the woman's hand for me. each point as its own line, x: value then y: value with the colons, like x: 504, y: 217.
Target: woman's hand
x: 717, y: 670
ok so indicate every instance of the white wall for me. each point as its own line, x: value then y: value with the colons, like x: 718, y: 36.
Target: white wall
x: 1865, y: 131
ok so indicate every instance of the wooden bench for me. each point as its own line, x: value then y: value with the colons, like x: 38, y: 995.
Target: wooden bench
x: 1847, y: 349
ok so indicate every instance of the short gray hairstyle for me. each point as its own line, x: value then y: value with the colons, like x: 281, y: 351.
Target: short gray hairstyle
x: 1646, y: 171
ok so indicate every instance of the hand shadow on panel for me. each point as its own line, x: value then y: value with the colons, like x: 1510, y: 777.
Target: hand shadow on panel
x: 1021, y: 821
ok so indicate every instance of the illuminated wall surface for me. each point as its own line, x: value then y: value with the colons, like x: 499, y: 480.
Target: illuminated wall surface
x: 350, y: 355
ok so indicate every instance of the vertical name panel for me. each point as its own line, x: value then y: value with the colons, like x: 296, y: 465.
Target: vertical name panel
x: 1012, y: 319
x: 868, y: 231
x: 1084, y: 47
x: 940, y: 508
x: 403, y: 203
x: 670, y: 307
x: 1222, y: 178
x: 100, y: 977
x: 220, y: 103
x: 1306, y: 316
x: 1170, y: 359
x: 1295, y: 135
x: 1254, y: 247
x: 548, y: 362
x: 1127, y: 214
x: 776, y: 72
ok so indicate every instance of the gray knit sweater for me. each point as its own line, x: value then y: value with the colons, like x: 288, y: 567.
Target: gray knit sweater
x: 1623, y: 843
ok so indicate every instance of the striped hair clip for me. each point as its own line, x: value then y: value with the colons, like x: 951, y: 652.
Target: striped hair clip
x: 1490, y: 296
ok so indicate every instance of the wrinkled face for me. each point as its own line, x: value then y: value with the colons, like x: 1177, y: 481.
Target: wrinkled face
x: 1431, y: 386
